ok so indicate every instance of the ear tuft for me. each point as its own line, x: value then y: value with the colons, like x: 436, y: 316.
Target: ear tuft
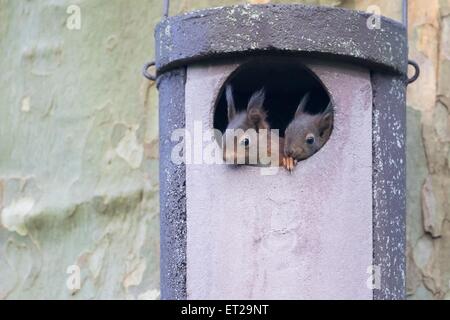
x: 329, y: 108
x: 256, y: 101
x: 303, y: 103
x: 230, y: 102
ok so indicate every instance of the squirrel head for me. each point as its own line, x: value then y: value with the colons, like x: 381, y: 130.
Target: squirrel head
x: 241, y: 135
x: 307, y: 133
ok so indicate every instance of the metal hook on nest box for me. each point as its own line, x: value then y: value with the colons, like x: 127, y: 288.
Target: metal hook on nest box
x: 146, y: 73
x: 416, y: 71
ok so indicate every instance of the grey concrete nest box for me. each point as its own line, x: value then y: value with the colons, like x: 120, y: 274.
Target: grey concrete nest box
x: 332, y: 229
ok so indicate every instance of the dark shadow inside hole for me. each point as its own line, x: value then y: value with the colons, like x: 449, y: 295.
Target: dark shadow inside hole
x: 285, y: 83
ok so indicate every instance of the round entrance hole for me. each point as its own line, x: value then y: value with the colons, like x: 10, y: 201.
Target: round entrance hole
x: 286, y: 85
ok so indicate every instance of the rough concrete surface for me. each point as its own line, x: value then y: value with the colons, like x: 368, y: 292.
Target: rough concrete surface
x: 389, y: 184
x: 238, y: 30
x: 173, y: 191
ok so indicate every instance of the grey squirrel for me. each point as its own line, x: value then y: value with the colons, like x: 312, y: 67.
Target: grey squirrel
x: 238, y: 139
x: 306, y: 133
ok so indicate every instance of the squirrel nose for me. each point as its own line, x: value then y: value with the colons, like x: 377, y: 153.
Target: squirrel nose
x: 290, y: 152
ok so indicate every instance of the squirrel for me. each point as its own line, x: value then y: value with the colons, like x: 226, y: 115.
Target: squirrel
x: 238, y: 131
x: 307, y: 133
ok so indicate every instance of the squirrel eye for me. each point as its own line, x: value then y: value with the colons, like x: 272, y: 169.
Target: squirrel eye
x: 310, y: 139
x: 245, y: 142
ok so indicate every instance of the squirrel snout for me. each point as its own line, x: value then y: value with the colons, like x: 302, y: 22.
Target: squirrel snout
x: 293, y: 153
x: 289, y: 152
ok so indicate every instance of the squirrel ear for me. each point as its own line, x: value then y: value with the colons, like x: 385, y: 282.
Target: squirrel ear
x: 326, y: 122
x: 302, y: 105
x: 230, y: 102
x: 255, y: 110
x: 257, y: 100
x: 329, y: 108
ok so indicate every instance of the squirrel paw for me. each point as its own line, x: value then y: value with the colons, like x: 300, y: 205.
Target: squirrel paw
x: 289, y: 163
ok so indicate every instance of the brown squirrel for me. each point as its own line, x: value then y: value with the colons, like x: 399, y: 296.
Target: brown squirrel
x: 239, y: 140
x: 307, y: 133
